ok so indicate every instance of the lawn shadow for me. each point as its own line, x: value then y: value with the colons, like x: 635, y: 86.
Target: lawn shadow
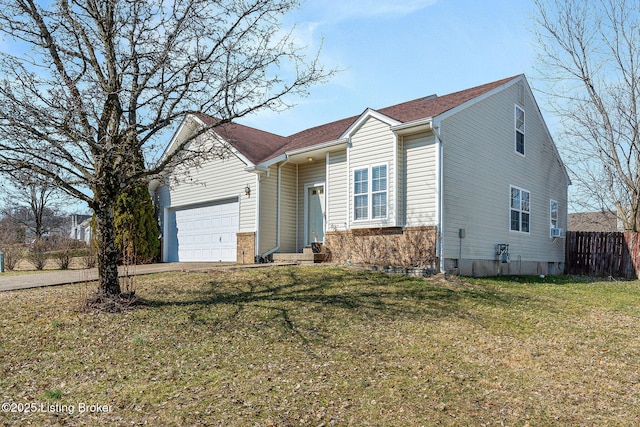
x: 302, y: 300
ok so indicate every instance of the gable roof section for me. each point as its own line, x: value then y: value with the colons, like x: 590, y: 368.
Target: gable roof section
x: 432, y: 106
x: 259, y: 146
x: 255, y: 144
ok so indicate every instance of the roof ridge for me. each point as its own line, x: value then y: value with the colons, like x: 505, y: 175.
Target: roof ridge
x: 427, y: 106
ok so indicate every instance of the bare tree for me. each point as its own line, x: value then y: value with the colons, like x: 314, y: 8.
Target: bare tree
x: 589, y: 53
x: 32, y: 203
x: 91, y: 87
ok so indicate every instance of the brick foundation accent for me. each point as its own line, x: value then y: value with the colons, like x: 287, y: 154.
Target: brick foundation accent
x: 400, y: 246
x: 247, y: 244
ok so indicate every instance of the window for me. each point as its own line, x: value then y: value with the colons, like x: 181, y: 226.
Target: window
x: 519, y: 119
x: 379, y: 191
x: 370, y: 195
x: 553, y: 215
x: 519, y: 210
x: 361, y: 194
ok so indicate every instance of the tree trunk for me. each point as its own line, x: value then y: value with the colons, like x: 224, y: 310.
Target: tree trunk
x: 108, y: 282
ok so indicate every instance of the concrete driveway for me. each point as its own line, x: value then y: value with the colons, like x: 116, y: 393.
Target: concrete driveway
x: 64, y: 277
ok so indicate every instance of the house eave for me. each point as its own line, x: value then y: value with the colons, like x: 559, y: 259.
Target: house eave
x: 300, y: 155
x: 413, y: 127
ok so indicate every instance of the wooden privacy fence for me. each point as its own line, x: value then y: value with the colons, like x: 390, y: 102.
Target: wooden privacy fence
x: 613, y: 254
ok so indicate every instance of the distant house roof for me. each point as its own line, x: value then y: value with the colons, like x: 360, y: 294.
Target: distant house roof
x: 606, y: 221
x: 259, y: 146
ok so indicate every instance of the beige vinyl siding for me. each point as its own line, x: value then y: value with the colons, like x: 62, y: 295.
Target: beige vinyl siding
x: 337, y: 203
x: 308, y: 173
x: 480, y: 165
x: 268, y: 211
x: 418, y: 180
x: 215, y: 180
x: 288, y: 208
x: 373, y: 144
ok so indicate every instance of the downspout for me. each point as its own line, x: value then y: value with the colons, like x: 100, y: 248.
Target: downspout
x: 259, y: 178
x: 396, y: 169
x: 440, y: 231
x: 278, y: 217
x: 349, y: 207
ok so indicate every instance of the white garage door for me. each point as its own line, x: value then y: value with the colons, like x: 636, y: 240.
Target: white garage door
x: 206, y: 233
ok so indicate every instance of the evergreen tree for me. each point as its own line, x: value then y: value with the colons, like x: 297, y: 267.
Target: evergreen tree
x: 135, y: 227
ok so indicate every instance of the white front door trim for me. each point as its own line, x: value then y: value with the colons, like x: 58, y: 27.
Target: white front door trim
x: 307, y: 237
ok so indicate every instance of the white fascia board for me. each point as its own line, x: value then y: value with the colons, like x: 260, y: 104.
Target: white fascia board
x: 368, y: 113
x: 286, y: 155
x: 328, y: 144
x: 266, y: 164
x: 231, y: 148
x: 175, y: 140
x: 415, y: 125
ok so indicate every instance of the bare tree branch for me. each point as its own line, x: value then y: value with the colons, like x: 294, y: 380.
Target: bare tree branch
x: 90, y: 86
x: 589, y: 56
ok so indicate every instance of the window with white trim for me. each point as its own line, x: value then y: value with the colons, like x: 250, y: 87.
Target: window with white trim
x: 519, y: 124
x: 553, y: 215
x: 361, y: 194
x: 520, y: 210
x: 370, y: 194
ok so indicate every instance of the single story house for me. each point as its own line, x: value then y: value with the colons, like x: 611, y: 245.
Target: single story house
x: 470, y: 182
x: 599, y: 221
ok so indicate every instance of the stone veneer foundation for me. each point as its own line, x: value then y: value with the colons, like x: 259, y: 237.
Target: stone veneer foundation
x: 246, y: 248
x: 399, y: 246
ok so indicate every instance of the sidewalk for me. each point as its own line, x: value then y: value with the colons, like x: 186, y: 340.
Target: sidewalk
x: 64, y: 277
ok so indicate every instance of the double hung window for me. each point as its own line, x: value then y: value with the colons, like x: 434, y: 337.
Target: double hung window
x: 370, y: 193
x: 519, y: 123
x: 520, y: 210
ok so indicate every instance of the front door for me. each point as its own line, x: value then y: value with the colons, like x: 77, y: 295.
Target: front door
x: 314, y: 231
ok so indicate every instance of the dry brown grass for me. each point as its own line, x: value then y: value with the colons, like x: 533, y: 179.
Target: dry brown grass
x: 327, y: 346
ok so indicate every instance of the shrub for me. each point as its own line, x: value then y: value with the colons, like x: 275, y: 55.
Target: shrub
x: 410, y: 247
x: 12, y: 256
x: 90, y: 260
x: 136, y: 227
x: 38, y: 254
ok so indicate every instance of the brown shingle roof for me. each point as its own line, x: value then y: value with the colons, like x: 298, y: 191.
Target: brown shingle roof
x: 606, y: 221
x: 433, y: 106
x: 254, y: 144
x: 259, y: 146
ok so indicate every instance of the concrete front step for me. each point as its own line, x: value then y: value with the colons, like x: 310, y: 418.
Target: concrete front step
x: 306, y: 257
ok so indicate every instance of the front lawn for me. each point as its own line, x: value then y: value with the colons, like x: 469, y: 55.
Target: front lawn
x: 325, y: 346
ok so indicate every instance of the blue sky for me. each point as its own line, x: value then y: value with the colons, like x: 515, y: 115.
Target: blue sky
x: 392, y: 51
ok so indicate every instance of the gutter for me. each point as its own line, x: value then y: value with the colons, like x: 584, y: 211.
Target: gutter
x: 416, y: 125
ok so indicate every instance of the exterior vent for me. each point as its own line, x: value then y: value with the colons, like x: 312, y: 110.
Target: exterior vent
x: 556, y: 232
x: 429, y: 98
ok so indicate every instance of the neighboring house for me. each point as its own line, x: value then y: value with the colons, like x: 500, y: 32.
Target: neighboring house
x: 603, y: 221
x: 81, y: 228
x: 476, y: 168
